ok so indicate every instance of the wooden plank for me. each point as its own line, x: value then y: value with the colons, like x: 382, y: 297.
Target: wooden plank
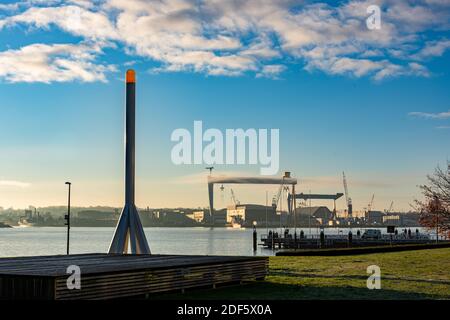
x: 57, y: 265
x: 113, y: 276
x: 143, y: 285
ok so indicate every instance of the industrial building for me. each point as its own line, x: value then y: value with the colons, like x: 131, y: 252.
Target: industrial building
x: 197, y: 216
x: 374, y: 217
x: 319, y: 215
x: 392, y: 220
x: 249, y: 213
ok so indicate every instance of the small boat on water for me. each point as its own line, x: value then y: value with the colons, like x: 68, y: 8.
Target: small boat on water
x: 236, y: 223
x: 28, y: 220
x: 25, y: 222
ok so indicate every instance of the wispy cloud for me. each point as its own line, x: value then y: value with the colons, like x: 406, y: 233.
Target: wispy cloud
x: 433, y: 49
x: 15, y: 184
x: 426, y: 115
x: 52, y: 63
x: 230, y: 38
x: 75, y: 19
x: 336, y: 182
x: 271, y: 71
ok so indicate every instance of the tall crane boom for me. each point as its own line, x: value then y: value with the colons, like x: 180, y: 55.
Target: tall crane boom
x: 391, y: 207
x: 233, y: 197
x: 345, y: 187
x: 276, y: 197
x: 347, y: 196
x: 370, y: 206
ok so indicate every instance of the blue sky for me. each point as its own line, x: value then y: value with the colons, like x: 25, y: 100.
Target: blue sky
x: 372, y: 103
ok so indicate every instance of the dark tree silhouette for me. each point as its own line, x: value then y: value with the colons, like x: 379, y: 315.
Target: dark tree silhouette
x: 435, y: 208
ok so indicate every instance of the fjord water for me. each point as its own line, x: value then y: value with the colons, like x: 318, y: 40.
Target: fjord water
x: 34, y: 241
x: 52, y: 240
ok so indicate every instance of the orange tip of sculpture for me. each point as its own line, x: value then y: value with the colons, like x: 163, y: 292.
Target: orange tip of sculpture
x: 131, y: 76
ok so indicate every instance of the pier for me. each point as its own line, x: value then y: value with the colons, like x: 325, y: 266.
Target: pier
x: 288, y: 240
x: 106, y: 276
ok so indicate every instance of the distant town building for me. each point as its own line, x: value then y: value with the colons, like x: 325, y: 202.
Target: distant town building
x: 97, y: 215
x: 95, y: 218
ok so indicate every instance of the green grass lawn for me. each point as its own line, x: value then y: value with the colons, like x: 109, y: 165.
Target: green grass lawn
x: 422, y: 274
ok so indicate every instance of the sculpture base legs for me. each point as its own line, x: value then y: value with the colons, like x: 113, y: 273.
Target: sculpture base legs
x: 129, y: 231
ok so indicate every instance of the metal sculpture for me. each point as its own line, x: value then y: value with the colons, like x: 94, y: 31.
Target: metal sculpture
x: 129, y: 230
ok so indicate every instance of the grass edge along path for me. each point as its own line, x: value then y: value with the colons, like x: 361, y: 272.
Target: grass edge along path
x: 361, y: 250
x: 420, y: 274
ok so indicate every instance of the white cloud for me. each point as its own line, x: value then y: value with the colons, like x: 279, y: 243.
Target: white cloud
x: 271, y: 71
x: 219, y: 37
x: 73, y: 19
x: 392, y: 70
x: 82, y: 3
x: 433, y: 49
x: 426, y: 115
x: 14, y: 184
x: 9, y: 6
x: 261, y: 48
x: 357, y: 67
x: 52, y: 63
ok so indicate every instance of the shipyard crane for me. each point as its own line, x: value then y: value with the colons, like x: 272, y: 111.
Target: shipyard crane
x: 347, y: 196
x: 221, y: 192
x: 277, y: 197
x: 391, y: 207
x: 370, y: 205
x: 233, y: 197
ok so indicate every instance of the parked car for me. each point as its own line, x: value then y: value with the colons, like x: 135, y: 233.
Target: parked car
x: 371, y: 234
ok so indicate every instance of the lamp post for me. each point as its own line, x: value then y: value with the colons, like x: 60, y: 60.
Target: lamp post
x: 267, y: 225
x: 255, y: 237
x: 68, y: 217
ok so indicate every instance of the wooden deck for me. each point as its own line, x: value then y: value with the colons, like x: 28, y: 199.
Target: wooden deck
x: 106, y: 276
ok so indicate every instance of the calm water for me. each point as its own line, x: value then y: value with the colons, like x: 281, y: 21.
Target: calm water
x: 203, y: 241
